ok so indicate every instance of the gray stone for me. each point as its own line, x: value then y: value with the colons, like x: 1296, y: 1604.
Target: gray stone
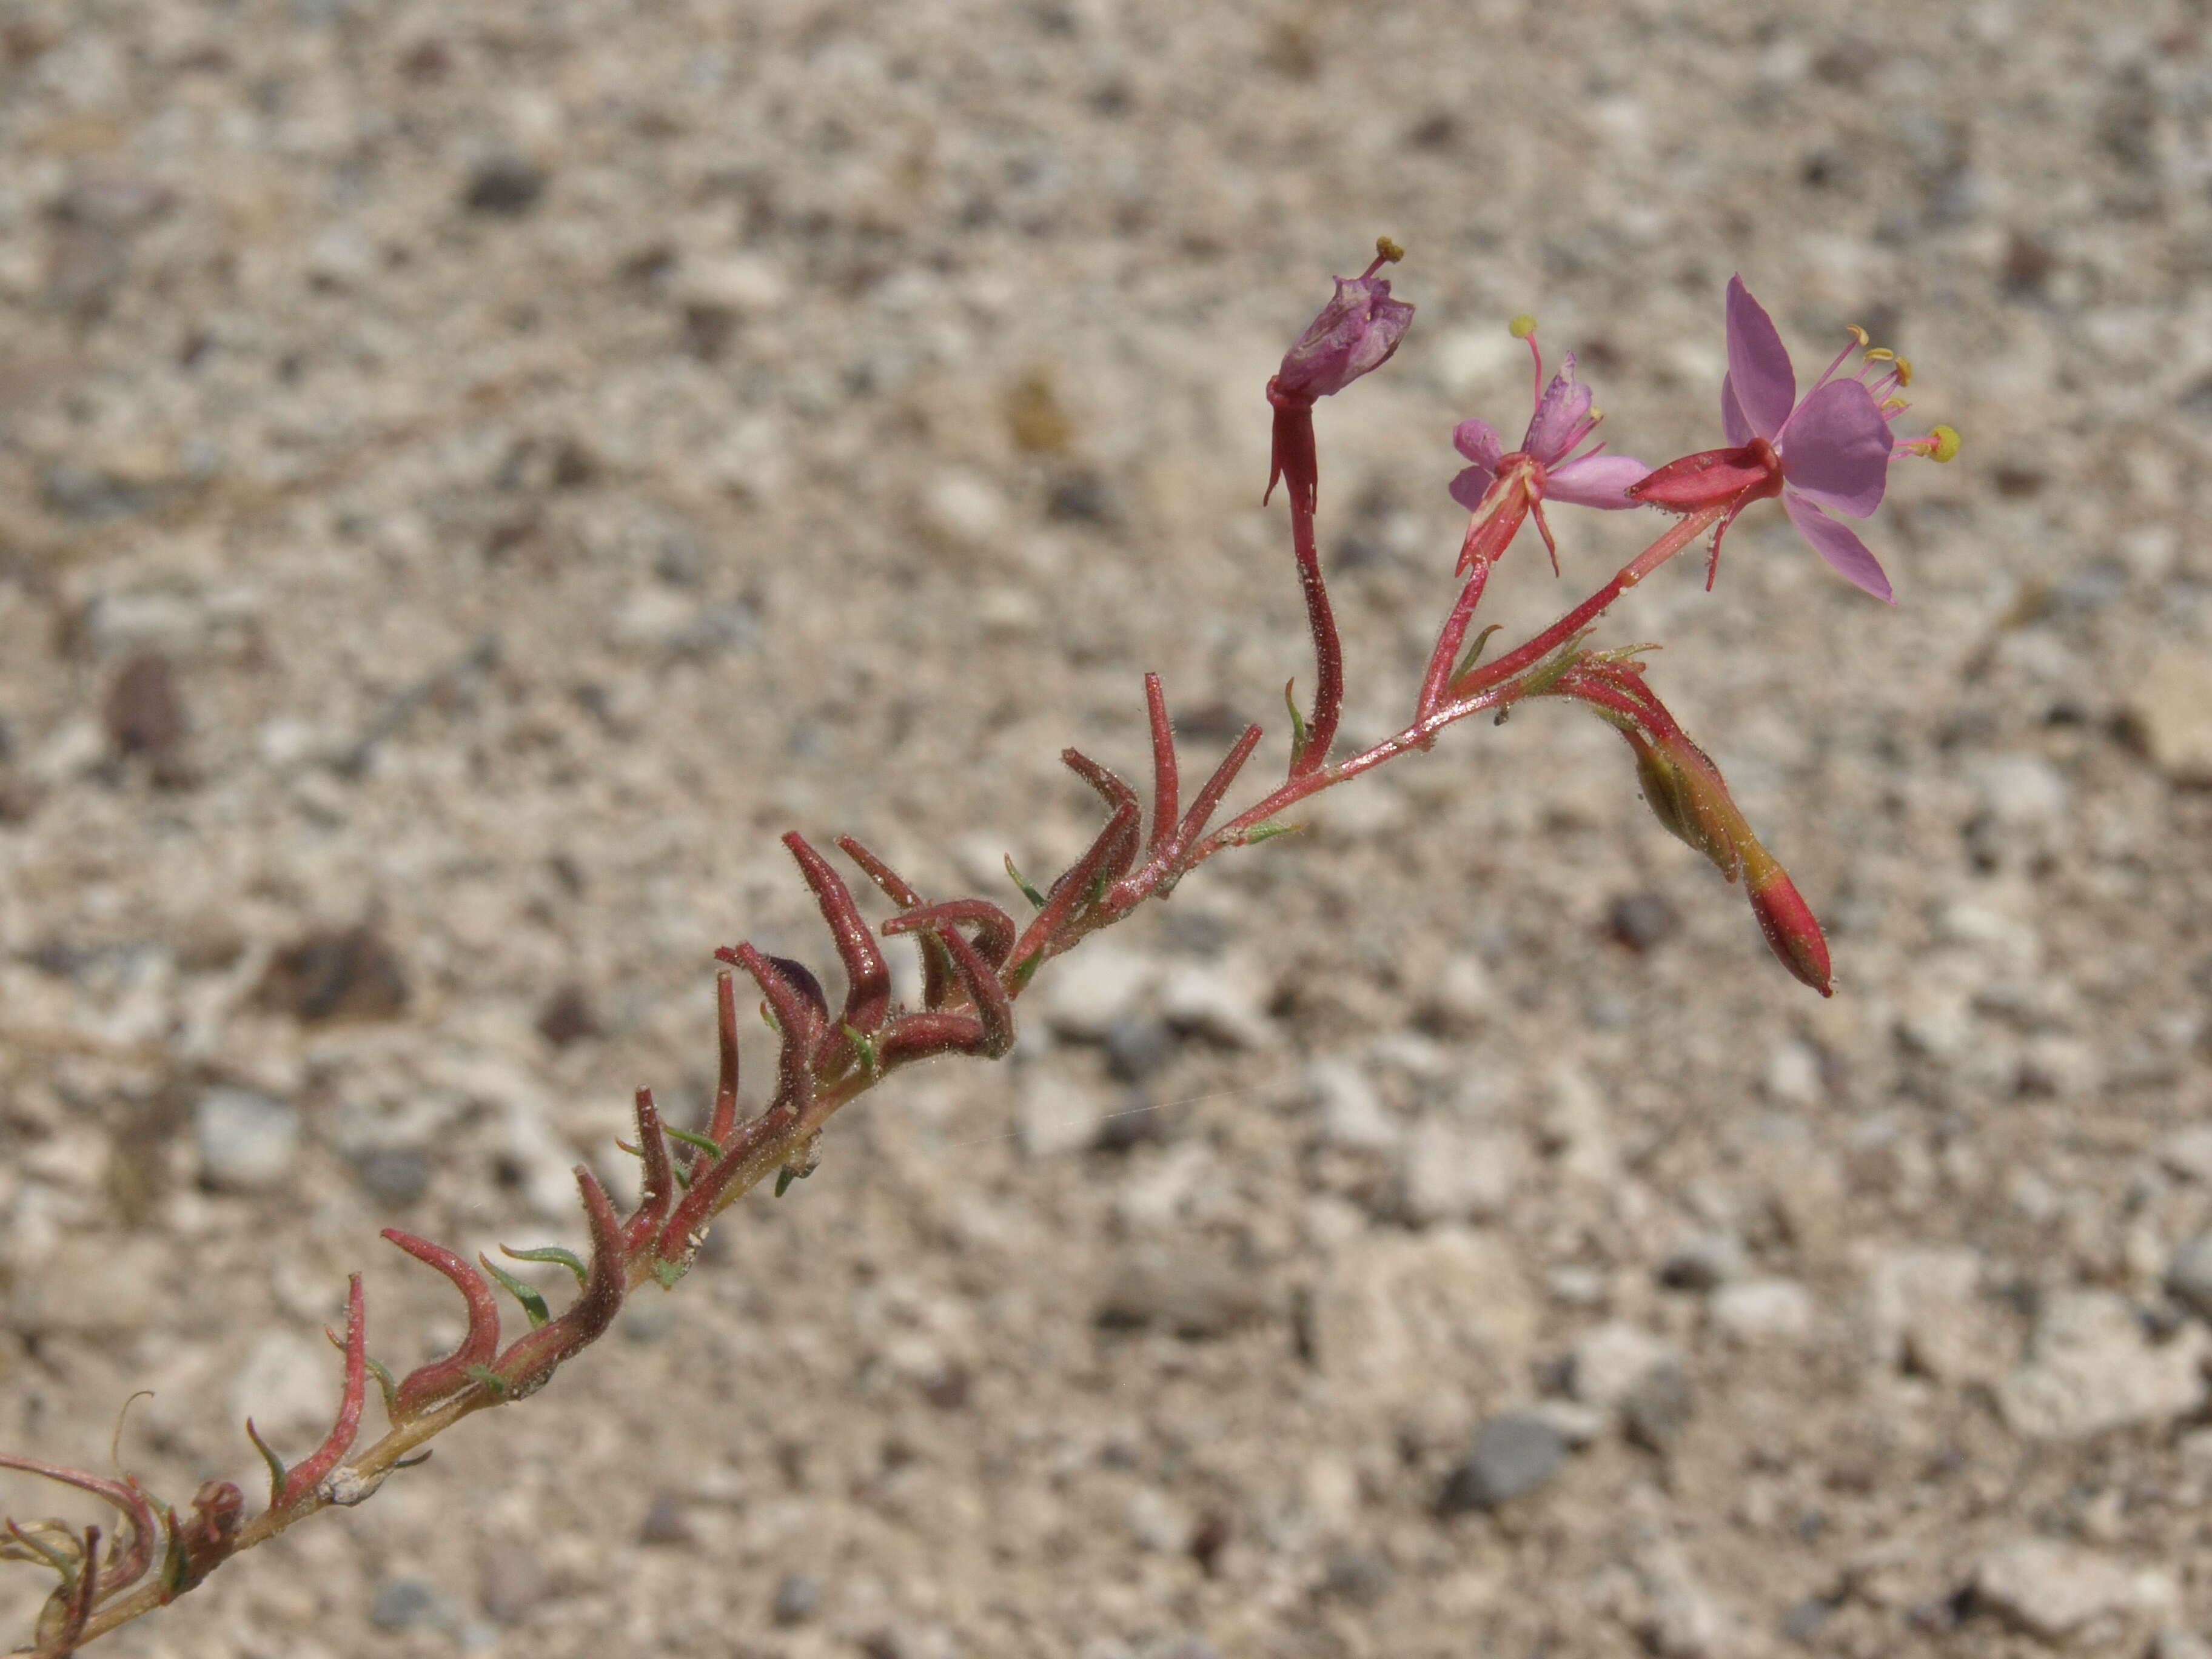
x: 1659, y: 1406
x: 1513, y: 1455
x: 2091, y: 1366
x: 511, y: 1581
x: 798, y: 1598
x: 402, y: 1604
x: 247, y: 1143
x: 2188, y: 1152
x: 2189, y: 1275
x: 1135, y: 1048
x: 1089, y: 991
x: 2051, y: 1590
x: 1059, y: 1111
x: 93, y: 1287
x: 1192, y: 1294
x: 1702, y: 1263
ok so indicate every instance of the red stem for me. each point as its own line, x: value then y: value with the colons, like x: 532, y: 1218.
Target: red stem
x: 308, y: 1475
x: 440, y: 1377
x: 1445, y: 657
x: 1328, y: 651
x: 1166, y: 782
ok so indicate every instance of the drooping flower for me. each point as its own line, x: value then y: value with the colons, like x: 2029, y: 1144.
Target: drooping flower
x: 1827, y: 451
x: 1351, y: 335
x: 1502, y: 488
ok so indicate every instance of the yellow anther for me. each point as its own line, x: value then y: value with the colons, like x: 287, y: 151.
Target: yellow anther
x: 1388, y: 249
x: 1880, y: 355
x: 1892, y: 406
x: 1946, y: 446
x: 1857, y: 333
x: 1522, y: 326
x: 1905, y: 371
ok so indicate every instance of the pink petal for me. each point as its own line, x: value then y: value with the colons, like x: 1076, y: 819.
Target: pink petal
x: 1836, y: 448
x: 1469, y: 488
x: 1478, y: 441
x: 1759, y: 363
x: 1562, y: 416
x: 1734, y: 424
x: 1838, y: 544
x: 1596, y: 481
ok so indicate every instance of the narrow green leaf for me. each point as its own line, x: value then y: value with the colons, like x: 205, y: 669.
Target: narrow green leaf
x: 1027, y: 971
x: 567, y: 1259
x: 1035, y: 898
x: 1269, y: 831
x: 1297, y: 721
x: 865, y: 1046
x: 490, y: 1378
x: 691, y: 1138
x: 668, y: 1273
x: 784, y: 1177
x: 1475, y: 652
x: 382, y: 1373
x: 533, y: 1304
x: 276, y: 1470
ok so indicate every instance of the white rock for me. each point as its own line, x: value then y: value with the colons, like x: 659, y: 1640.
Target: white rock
x: 1058, y: 1112
x: 2188, y: 1152
x: 2051, y: 1590
x: 2090, y: 1367
x: 1574, y: 1127
x: 1463, y: 994
x: 93, y: 1287
x: 2172, y: 710
x: 247, y: 1143
x: 965, y: 509
x: 1157, y: 1522
x: 1924, y: 1310
x: 1685, y: 1620
x: 745, y: 283
x: 1763, y: 1310
x: 290, y: 1385
x: 1607, y: 1363
x: 2023, y: 791
x: 1401, y: 1315
x: 1448, y: 1173
x: 1352, y: 1113
x: 1793, y: 1073
x: 1223, y: 1001
x: 1088, y: 990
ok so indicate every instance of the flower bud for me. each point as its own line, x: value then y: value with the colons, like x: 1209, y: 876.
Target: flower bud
x: 1685, y: 794
x: 1353, y: 334
x: 1790, y: 926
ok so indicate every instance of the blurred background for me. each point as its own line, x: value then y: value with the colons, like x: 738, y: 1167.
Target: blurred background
x: 471, y: 478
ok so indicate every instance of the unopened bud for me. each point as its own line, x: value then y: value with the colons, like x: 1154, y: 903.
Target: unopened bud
x: 1685, y: 794
x: 1790, y: 928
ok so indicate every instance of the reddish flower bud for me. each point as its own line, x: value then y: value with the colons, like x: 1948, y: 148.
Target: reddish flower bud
x: 1791, y: 927
x: 1713, y: 476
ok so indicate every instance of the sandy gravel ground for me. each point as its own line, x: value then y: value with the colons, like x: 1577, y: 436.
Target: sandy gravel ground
x: 471, y: 476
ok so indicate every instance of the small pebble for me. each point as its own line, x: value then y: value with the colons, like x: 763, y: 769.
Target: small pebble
x: 247, y: 1143
x: 1642, y: 921
x: 145, y: 715
x: 505, y: 184
x: 567, y: 1016
x: 510, y: 1581
x: 1135, y: 1047
x: 402, y: 1603
x: 2189, y: 1275
x: 665, y: 1521
x: 394, y: 1175
x: 798, y: 1598
x: 1658, y: 1407
x: 1513, y: 1455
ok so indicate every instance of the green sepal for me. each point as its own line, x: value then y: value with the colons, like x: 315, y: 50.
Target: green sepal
x: 276, y: 1470
x: 533, y: 1305
x: 865, y: 1046
x: 1475, y: 652
x: 693, y: 1138
x: 1035, y: 898
x: 567, y: 1259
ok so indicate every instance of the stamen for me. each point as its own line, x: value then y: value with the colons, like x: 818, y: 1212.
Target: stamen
x: 1828, y: 372
x: 1524, y: 327
x: 1944, y: 443
x: 1880, y: 354
x: 1905, y: 371
x: 1857, y: 333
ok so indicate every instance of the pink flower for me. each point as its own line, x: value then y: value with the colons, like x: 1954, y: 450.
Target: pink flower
x: 1353, y: 335
x: 1501, y: 489
x: 1545, y: 467
x: 1830, y: 450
